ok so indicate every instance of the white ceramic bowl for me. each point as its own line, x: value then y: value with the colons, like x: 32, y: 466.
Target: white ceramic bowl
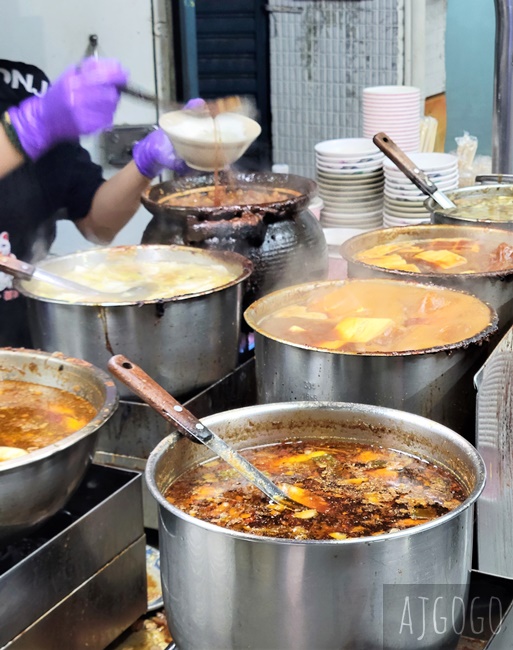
x: 206, y: 143
x: 351, y: 147
x: 429, y: 161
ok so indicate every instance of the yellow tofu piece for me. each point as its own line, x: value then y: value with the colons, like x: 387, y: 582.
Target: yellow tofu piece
x: 378, y: 251
x: 394, y: 262
x: 363, y: 330
x: 444, y: 259
x: 338, y: 535
x: 296, y: 328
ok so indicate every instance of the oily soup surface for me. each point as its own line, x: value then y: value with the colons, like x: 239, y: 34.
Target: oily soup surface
x: 484, y: 208
x: 347, y: 489
x: 227, y: 196
x: 34, y: 416
x: 440, y: 255
x: 161, y: 279
x: 377, y: 316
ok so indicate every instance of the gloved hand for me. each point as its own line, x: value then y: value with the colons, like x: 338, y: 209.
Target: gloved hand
x: 82, y: 101
x: 154, y: 153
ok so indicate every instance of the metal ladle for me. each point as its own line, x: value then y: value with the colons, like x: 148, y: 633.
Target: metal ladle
x: 410, y: 169
x: 25, y: 271
x: 171, y: 410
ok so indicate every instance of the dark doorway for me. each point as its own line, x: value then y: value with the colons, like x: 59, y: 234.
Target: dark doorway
x: 231, y: 46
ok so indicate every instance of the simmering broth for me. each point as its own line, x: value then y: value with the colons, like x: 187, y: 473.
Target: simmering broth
x: 362, y: 316
x: 484, y: 208
x: 227, y: 196
x: 34, y: 416
x: 154, y: 280
x: 440, y: 255
x: 348, y: 489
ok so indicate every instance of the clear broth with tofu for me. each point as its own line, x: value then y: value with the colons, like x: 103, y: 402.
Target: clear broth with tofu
x: 362, y: 316
x: 34, y: 416
x: 348, y: 489
x: 440, y: 255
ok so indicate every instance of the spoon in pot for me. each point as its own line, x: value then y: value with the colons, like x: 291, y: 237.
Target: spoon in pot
x: 25, y: 271
x: 170, y: 409
x: 410, y: 169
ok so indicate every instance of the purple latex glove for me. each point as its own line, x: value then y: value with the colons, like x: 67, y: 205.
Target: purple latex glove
x: 155, y: 152
x: 82, y: 101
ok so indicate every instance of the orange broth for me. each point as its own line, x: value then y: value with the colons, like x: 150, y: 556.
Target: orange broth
x: 348, y: 489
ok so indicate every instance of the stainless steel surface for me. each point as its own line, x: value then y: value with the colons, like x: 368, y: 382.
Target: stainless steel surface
x: 33, y: 487
x: 172, y: 411
x: 56, y: 582
x: 494, y: 440
x: 95, y: 615
x: 224, y: 589
x: 185, y: 343
x: 493, y: 179
x: 410, y: 170
x: 502, y: 123
x: 437, y: 384
x: 478, y: 191
x: 494, y: 287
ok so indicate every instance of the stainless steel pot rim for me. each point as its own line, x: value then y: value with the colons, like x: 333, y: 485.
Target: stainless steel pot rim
x: 480, y: 336
x: 411, y: 275
x: 360, y: 409
x: 245, y: 264
x: 484, y: 190
x: 107, y: 410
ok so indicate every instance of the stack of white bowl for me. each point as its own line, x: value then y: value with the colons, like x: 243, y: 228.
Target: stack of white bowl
x: 404, y: 202
x: 396, y: 111
x: 349, y: 174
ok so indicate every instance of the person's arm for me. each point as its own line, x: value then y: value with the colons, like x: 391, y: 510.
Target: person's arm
x: 117, y: 200
x: 114, y: 204
x: 10, y: 157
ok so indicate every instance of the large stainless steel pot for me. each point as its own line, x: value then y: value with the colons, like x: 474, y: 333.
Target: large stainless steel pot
x: 435, y: 383
x: 35, y: 486
x: 493, y: 287
x: 185, y: 343
x: 458, y: 218
x: 283, y: 239
x: 230, y: 590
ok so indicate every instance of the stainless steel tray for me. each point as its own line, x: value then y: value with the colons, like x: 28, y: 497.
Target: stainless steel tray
x: 58, y: 563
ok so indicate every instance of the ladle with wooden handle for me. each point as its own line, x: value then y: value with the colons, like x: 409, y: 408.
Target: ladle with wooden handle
x: 170, y: 409
x: 410, y: 169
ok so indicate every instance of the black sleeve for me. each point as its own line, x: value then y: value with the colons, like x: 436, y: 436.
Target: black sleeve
x: 70, y: 179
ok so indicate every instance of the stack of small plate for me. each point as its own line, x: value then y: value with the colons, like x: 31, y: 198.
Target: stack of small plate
x: 404, y: 202
x: 349, y: 174
x: 394, y: 110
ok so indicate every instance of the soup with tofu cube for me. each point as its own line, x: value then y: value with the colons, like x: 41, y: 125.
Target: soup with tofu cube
x: 440, y: 255
x: 377, y: 316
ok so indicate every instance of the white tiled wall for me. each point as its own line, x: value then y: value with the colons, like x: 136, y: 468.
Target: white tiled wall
x: 321, y: 59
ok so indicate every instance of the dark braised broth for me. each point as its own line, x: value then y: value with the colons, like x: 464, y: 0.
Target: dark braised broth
x: 213, y: 196
x: 348, y: 489
x: 34, y: 416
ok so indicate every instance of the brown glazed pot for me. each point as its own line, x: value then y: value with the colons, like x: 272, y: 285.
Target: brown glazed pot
x: 283, y: 239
